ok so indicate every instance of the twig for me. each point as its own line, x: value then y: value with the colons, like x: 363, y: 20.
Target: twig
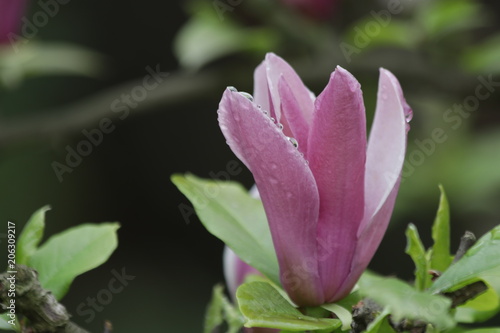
x: 466, y: 242
x: 465, y: 294
x: 39, y: 306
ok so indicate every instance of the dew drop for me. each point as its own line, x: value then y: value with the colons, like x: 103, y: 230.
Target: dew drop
x: 274, y: 166
x: 273, y: 181
x: 293, y: 142
x: 266, y: 112
x: 280, y: 126
x: 273, y: 120
x: 246, y: 95
x: 233, y: 89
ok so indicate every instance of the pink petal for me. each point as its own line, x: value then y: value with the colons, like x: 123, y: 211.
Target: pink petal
x: 235, y: 270
x: 368, y: 242
x: 276, y: 68
x: 287, y: 188
x: 260, y: 87
x: 11, y: 12
x: 386, y: 146
x: 336, y: 154
x: 298, y: 126
x: 385, y: 157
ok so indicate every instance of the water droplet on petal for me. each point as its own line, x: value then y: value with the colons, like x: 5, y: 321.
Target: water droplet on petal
x: 280, y: 126
x: 233, y: 89
x: 293, y: 142
x: 266, y: 112
x: 274, y: 166
x: 273, y: 120
x: 246, y: 95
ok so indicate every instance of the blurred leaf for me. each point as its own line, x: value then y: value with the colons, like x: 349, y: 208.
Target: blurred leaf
x: 481, y: 262
x: 484, y: 56
x: 263, y: 306
x: 444, y: 17
x: 232, y: 215
x: 73, y: 252
x: 475, y: 330
x: 394, y: 33
x: 416, y: 250
x: 4, y: 325
x: 403, y: 301
x: 36, y: 59
x: 440, y: 257
x: 220, y: 309
x: 213, y: 315
x: 30, y: 236
x: 206, y: 37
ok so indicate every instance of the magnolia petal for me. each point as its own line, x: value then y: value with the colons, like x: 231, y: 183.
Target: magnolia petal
x: 260, y: 87
x: 386, y: 146
x: 368, y: 242
x: 235, y: 270
x: 11, y: 12
x: 336, y: 154
x: 287, y: 188
x: 276, y: 68
x: 298, y: 126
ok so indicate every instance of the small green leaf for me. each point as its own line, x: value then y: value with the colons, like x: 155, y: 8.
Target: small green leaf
x: 73, y: 252
x: 232, y: 215
x: 220, y: 310
x: 380, y: 324
x: 263, y: 306
x: 31, y: 235
x: 481, y: 262
x: 416, y: 250
x: 403, y: 301
x: 440, y: 253
x: 213, y: 315
x: 342, y: 313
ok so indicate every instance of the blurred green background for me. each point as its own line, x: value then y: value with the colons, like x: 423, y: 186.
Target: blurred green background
x: 79, y: 65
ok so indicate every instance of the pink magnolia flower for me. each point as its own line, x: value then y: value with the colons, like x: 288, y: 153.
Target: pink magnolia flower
x: 327, y: 192
x: 318, y: 9
x: 11, y: 12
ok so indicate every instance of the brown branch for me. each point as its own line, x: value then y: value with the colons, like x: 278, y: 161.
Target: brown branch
x: 466, y: 242
x: 41, y: 309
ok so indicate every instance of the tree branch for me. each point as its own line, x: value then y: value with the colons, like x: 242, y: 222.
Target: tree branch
x: 44, y: 313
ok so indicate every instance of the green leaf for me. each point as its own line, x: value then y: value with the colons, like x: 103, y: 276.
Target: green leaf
x: 220, y: 310
x: 263, y: 306
x: 416, y: 250
x: 440, y: 257
x: 232, y: 215
x: 444, y: 17
x: 30, y: 236
x: 342, y: 313
x: 481, y: 262
x: 73, y: 252
x: 380, y: 324
x: 403, y: 301
x: 475, y: 330
x: 484, y: 56
x: 5, y: 326
x: 206, y: 37
x: 213, y: 315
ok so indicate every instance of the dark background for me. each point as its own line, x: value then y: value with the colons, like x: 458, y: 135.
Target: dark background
x: 126, y: 178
